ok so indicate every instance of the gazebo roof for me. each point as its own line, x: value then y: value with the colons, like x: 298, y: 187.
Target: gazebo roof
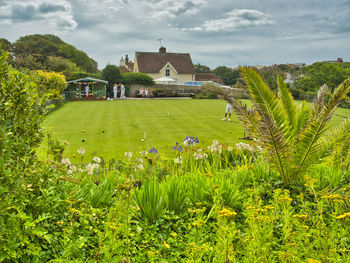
x: 88, y: 80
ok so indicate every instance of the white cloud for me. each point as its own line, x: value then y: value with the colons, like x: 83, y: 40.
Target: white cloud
x: 171, y: 9
x: 236, y: 19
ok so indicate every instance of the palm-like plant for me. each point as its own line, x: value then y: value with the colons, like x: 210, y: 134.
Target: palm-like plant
x: 291, y: 135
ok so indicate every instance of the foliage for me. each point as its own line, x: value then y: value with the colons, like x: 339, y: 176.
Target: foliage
x: 137, y: 78
x: 290, y: 134
x: 79, y: 75
x: 198, y: 68
x: 320, y: 73
x: 49, y: 82
x: 206, y: 95
x: 111, y: 73
x: 49, y: 52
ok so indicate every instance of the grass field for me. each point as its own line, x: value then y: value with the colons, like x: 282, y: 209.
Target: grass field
x: 111, y: 128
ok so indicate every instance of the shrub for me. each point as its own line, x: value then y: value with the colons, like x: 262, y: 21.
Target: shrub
x: 137, y: 78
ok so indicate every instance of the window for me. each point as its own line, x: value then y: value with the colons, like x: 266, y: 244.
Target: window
x: 167, y: 72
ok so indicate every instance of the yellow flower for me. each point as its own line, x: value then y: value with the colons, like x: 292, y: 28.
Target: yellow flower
x: 310, y: 260
x: 335, y: 196
x: 198, y: 223
x: 59, y: 223
x: 343, y: 216
x: 166, y: 244
x: 300, y: 216
x: 173, y: 234
x: 226, y: 213
x: 268, y: 207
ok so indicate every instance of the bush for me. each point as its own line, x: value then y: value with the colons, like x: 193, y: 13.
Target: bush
x: 137, y: 78
x: 206, y: 95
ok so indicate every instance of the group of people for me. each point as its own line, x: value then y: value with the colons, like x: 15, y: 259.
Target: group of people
x: 120, y: 87
x: 146, y: 93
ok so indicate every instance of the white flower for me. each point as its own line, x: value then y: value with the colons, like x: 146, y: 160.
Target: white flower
x: 215, y: 147
x: 178, y: 159
x: 91, y: 167
x: 143, y: 153
x: 128, y: 154
x: 69, y: 172
x: 65, y: 161
x: 230, y: 149
x: 96, y: 159
x: 81, y: 151
x: 73, y: 168
x: 139, y: 160
x: 200, y: 155
x: 138, y: 167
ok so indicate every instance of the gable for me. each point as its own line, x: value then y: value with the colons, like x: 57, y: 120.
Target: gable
x: 154, y: 62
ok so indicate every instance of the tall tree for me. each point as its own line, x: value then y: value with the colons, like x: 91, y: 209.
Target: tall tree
x: 198, y: 68
x: 111, y: 73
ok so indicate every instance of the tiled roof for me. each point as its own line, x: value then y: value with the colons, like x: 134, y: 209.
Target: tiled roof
x: 153, y: 62
x: 208, y: 77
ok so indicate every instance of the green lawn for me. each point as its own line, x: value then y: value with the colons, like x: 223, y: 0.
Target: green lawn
x: 124, y: 122
x: 115, y: 127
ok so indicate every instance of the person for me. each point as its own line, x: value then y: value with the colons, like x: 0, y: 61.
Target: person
x: 146, y: 93
x: 122, y: 91
x: 87, y: 88
x: 115, y: 91
x: 228, y: 111
x: 141, y: 92
x: 150, y: 93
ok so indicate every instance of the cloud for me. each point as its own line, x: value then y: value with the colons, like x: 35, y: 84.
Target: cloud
x: 56, y: 13
x: 160, y: 9
x: 235, y: 20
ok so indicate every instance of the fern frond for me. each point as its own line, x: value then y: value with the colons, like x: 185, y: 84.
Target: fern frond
x: 318, y: 103
x: 316, y: 127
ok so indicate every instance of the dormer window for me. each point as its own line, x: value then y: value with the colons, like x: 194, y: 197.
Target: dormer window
x: 167, y: 72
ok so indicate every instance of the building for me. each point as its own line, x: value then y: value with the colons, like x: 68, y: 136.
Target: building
x: 126, y: 65
x: 177, y: 66
x: 208, y: 77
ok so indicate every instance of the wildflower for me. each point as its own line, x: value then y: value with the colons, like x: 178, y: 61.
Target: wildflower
x: 343, y: 216
x: 65, y: 161
x: 153, y: 150
x: 59, y: 223
x: 69, y: 172
x: 138, y: 166
x: 143, y: 153
x: 91, y: 167
x: 310, y: 260
x: 96, y: 159
x: 230, y: 149
x: 335, y: 196
x: 190, y: 140
x: 178, y: 160
x: 128, y: 154
x: 166, y: 244
x: 200, y: 155
x: 300, y: 216
x: 268, y: 207
x: 226, y: 213
x: 177, y: 147
x: 244, y: 146
x: 215, y: 147
x: 198, y: 223
x: 81, y: 151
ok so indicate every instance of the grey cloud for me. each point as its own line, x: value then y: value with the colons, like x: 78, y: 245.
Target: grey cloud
x: 187, y: 6
x: 49, y: 8
x: 24, y: 13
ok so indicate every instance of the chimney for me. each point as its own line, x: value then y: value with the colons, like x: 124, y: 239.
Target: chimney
x: 162, y: 50
x: 126, y: 59
x: 340, y: 60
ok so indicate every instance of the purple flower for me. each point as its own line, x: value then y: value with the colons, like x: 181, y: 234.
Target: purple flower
x: 153, y: 150
x: 177, y: 147
x: 190, y: 140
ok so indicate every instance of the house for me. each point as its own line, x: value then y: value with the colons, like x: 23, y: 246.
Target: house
x: 177, y: 66
x: 126, y: 65
x: 208, y: 77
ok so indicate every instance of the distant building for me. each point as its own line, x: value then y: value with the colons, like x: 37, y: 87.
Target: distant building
x: 208, y: 77
x: 177, y: 66
x: 339, y: 60
x: 296, y: 65
x: 126, y: 65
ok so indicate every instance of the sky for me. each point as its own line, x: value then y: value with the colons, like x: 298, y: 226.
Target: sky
x: 215, y: 33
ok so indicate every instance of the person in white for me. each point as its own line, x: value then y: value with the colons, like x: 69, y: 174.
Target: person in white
x: 228, y: 111
x: 141, y: 92
x: 146, y: 93
x: 122, y: 91
x: 115, y: 91
x: 87, y: 88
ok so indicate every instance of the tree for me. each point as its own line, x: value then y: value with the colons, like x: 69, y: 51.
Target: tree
x: 231, y: 78
x: 198, y: 68
x: 290, y: 134
x: 8, y: 47
x: 137, y: 78
x: 52, y: 83
x: 111, y: 73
